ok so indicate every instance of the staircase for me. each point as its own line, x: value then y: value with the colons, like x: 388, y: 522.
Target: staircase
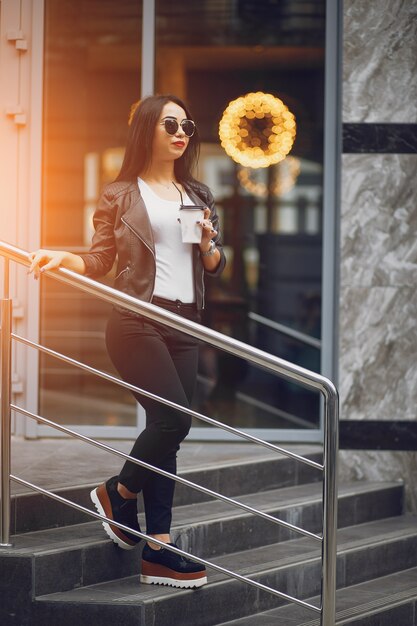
x: 63, y: 570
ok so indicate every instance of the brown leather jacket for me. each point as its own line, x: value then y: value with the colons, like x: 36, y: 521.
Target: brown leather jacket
x: 122, y: 228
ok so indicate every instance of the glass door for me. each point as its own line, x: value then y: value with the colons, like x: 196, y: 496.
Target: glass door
x: 256, y: 69
x: 92, y: 75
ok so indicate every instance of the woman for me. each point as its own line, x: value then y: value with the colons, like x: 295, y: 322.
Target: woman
x: 137, y: 221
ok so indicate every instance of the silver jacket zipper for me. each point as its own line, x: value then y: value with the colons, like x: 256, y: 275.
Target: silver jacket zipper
x: 147, y: 246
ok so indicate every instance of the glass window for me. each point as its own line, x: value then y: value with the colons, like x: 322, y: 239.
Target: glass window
x: 212, y: 53
x: 91, y: 77
x: 209, y: 53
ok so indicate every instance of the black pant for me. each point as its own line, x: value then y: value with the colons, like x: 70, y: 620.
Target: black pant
x: 163, y: 361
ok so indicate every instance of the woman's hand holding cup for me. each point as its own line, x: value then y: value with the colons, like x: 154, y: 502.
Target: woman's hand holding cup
x: 208, y: 231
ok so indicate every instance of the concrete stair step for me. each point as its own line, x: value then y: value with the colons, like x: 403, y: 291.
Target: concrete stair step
x: 367, y: 550
x: 67, y: 570
x: 66, y: 557
x: 214, y: 528
x: 385, y: 601
x: 33, y: 511
x: 211, y: 526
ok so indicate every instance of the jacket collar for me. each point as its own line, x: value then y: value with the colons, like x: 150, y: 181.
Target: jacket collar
x: 136, y: 216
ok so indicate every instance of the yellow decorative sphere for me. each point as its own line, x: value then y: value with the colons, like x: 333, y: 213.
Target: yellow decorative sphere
x: 257, y: 130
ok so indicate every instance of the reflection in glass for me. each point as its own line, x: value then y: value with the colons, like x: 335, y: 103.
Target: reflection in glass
x: 212, y: 54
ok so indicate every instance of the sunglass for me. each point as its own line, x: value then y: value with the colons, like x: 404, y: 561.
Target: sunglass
x: 172, y: 126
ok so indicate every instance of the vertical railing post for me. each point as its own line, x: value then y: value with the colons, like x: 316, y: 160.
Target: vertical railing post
x: 5, y: 434
x: 329, y: 546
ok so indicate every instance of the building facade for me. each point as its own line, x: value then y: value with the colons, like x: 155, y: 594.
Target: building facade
x: 317, y: 275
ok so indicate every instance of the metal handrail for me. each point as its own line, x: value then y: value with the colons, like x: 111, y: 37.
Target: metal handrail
x: 178, y: 479
x: 172, y: 548
x: 152, y: 396
x: 277, y: 365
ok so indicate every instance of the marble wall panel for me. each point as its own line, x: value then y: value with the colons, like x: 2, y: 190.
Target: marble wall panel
x: 379, y: 138
x: 379, y: 220
x: 377, y: 353
x: 381, y: 466
x: 378, y: 295
x: 380, y: 61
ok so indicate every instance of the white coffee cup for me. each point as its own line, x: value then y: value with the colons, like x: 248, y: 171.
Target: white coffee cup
x: 190, y: 215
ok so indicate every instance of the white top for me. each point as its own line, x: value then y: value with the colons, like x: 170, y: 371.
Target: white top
x: 174, y: 259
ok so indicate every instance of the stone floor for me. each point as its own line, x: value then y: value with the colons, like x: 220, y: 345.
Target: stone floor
x: 55, y: 463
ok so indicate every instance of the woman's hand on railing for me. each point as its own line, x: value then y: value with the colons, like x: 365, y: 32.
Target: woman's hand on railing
x: 42, y: 260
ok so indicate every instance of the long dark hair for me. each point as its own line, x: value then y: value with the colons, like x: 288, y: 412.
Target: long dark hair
x: 140, y: 136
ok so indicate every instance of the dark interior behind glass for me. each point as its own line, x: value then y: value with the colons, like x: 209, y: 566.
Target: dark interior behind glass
x: 209, y: 53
